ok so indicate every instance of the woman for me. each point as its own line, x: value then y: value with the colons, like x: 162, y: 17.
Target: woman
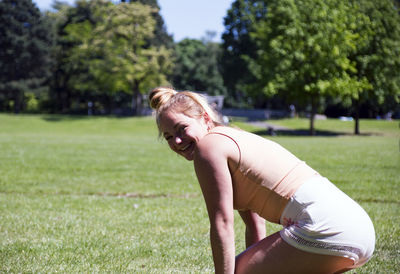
x: 324, y: 231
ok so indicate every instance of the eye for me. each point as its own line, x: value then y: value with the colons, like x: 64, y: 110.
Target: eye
x: 167, y: 137
x: 182, y: 129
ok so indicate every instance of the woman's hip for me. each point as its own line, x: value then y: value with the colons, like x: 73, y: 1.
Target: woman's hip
x: 322, y: 219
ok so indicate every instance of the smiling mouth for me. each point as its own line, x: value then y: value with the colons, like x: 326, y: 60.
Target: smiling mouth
x: 186, y: 147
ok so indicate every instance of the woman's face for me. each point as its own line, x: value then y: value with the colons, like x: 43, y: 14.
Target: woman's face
x: 182, y: 132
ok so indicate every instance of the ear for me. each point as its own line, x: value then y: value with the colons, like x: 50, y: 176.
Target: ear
x: 207, y: 120
x: 206, y: 117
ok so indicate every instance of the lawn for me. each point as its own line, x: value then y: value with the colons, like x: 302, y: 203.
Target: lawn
x: 104, y: 194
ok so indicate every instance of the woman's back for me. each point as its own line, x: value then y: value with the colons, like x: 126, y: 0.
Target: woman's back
x: 267, y: 174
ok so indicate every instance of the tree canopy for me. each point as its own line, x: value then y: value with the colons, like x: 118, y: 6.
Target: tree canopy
x: 25, y: 59
x: 160, y: 35
x: 305, y: 48
x: 106, y: 51
x: 377, y: 61
x: 339, y: 55
x: 238, y: 47
x: 196, y: 67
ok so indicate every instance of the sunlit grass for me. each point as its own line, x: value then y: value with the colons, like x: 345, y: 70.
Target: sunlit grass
x: 99, y: 194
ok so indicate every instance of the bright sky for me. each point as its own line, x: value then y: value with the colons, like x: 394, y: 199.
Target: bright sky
x: 184, y: 18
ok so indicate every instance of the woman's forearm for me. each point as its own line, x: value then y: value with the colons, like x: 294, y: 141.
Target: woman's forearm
x: 223, y: 248
x: 254, y: 236
x: 255, y: 227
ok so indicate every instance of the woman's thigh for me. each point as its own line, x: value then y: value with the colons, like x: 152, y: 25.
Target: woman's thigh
x: 274, y: 255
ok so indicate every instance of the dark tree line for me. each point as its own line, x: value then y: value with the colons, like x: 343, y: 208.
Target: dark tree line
x: 315, y: 52
x: 25, y: 57
x: 341, y: 57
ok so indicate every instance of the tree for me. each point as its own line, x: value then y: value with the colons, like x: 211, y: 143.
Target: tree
x: 137, y: 67
x: 196, y: 66
x: 303, y: 49
x: 25, y: 44
x: 70, y: 85
x: 378, y: 60
x: 238, y: 47
x: 106, y: 51
x: 160, y: 35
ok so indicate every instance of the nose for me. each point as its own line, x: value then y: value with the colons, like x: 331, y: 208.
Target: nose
x: 178, y: 140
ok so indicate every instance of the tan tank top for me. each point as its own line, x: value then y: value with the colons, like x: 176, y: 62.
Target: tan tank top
x: 267, y: 174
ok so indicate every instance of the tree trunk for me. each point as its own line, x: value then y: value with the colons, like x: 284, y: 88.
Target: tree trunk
x: 136, y: 99
x: 17, y: 100
x: 356, y: 104
x: 64, y: 93
x: 66, y: 101
x: 312, y: 115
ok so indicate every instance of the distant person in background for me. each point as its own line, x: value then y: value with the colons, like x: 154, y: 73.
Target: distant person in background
x: 292, y: 111
x: 324, y: 231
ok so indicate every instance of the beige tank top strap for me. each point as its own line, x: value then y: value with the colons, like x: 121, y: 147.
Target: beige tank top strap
x: 240, y: 153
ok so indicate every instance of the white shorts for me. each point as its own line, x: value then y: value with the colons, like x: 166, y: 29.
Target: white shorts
x: 321, y: 219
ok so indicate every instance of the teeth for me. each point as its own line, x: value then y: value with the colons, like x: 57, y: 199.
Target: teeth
x: 183, y: 149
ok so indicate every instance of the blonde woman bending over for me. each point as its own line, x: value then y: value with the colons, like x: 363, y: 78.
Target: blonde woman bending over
x: 323, y: 230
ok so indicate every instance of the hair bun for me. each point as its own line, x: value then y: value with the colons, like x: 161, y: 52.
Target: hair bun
x: 160, y: 96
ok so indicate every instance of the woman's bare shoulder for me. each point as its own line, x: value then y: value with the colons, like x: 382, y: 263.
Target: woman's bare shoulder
x: 216, y: 146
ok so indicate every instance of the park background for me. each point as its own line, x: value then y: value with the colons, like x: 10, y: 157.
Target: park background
x: 85, y: 184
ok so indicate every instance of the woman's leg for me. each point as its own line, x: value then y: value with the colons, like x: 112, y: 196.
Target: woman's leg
x: 274, y: 255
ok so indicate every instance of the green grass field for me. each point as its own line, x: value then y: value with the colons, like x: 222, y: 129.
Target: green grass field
x: 97, y: 194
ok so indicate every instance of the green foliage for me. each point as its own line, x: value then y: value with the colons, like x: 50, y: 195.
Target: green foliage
x: 238, y: 47
x: 25, y: 60
x: 98, y: 194
x: 32, y: 104
x: 377, y: 60
x: 122, y: 40
x: 304, y: 47
x: 310, y: 50
x: 161, y: 36
x: 196, y: 67
x: 106, y: 51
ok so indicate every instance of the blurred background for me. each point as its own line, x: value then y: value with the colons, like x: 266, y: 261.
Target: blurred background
x: 313, y: 58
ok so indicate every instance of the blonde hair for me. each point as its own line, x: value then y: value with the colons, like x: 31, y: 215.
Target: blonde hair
x: 189, y: 103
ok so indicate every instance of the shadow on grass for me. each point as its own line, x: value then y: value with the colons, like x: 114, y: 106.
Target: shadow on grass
x: 61, y: 117
x: 268, y: 129
x: 306, y: 132
x: 299, y: 132
x: 72, y: 117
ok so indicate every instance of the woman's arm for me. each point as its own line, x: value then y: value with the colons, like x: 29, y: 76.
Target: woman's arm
x: 255, y: 227
x: 211, y: 165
